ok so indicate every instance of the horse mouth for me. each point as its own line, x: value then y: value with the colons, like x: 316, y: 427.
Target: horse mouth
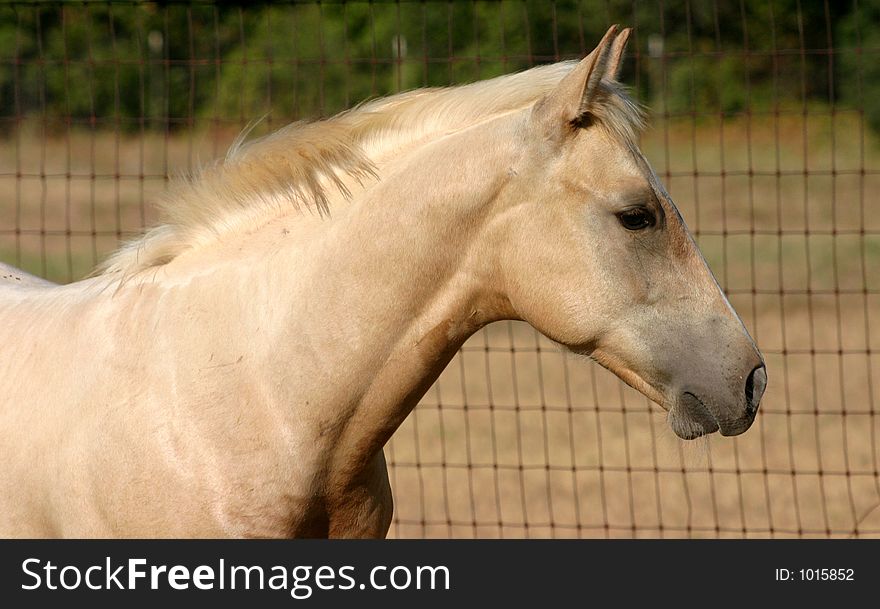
x: 690, y: 419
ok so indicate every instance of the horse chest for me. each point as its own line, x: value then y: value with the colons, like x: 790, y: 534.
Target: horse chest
x: 299, y: 510
x: 254, y: 491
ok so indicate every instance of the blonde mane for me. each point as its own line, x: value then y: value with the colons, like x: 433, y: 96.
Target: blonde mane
x: 294, y: 166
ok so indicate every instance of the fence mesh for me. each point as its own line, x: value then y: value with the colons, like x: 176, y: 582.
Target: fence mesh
x: 764, y: 119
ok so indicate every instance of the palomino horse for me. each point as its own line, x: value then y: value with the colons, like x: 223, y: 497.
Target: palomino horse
x: 238, y: 369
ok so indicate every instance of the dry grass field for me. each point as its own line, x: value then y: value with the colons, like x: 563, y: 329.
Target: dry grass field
x: 519, y: 439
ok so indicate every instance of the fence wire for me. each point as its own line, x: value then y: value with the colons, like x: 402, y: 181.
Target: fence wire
x: 764, y: 130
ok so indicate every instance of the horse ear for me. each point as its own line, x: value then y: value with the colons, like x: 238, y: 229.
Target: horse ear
x: 615, y: 58
x: 570, y: 101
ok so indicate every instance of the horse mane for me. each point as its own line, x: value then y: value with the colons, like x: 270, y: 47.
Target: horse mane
x: 296, y: 165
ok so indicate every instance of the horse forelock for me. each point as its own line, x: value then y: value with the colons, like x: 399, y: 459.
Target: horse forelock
x: 619, y: 113
x: 304, y: 162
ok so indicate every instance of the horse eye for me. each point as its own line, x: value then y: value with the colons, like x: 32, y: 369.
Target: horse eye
x: 636, y: 219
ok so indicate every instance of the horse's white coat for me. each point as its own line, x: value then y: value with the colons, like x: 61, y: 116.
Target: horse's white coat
x: 238, y: 371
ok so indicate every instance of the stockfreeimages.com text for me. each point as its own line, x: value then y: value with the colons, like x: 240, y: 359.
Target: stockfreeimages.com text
x: 301, y: 580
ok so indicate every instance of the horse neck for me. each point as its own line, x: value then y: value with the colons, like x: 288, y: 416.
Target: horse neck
x: 389, y: 289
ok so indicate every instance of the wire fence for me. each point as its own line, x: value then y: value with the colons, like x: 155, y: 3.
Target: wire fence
x: 764, y: 118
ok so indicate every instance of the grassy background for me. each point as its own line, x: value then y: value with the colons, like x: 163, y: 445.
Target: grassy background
x: 519, y: 439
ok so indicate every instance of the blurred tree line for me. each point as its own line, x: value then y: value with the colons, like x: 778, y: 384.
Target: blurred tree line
x: 166, y: 65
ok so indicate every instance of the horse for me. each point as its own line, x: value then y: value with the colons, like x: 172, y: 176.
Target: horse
x: 236, y: 370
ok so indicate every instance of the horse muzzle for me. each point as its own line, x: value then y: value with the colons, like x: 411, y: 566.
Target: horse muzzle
x: 698, y: 411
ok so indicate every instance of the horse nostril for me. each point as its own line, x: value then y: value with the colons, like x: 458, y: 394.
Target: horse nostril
x: 755, y: 385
